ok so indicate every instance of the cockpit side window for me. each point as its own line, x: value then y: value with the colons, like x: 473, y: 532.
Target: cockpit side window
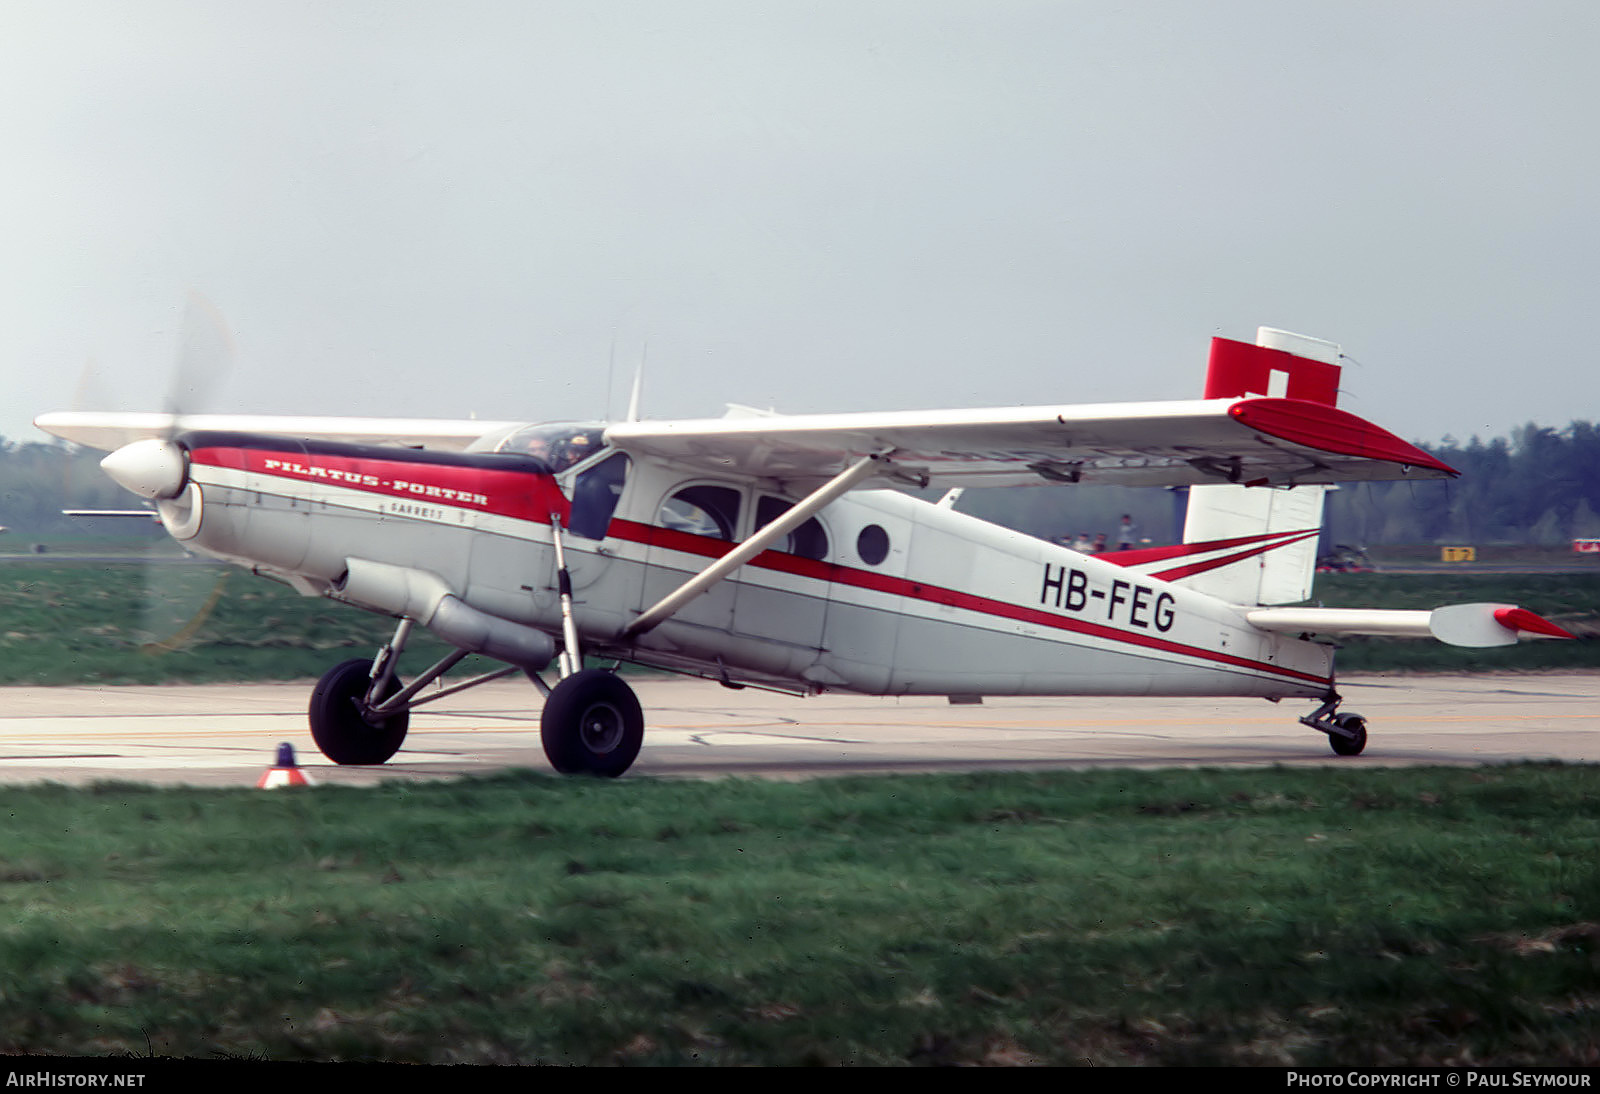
x: 711, y: 511
x: 809, y: 540
x: 595, y: 494
x: 559, y: 445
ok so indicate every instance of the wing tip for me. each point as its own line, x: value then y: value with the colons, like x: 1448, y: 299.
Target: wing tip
x: 1523, y: 621
x: 1330, y: 429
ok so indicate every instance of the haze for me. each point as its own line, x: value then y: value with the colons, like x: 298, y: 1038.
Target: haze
x: 499, y: 208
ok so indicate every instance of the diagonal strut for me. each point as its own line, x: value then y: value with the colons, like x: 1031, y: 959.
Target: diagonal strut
x: 760, y: 541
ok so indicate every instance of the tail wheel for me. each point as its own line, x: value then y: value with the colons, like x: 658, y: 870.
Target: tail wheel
x: 343, y: 725
x: 592, y: 724
x: 1356, y: 727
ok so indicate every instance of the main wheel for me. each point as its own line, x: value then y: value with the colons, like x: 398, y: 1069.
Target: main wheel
x: 342, y: 725
x: 592, y: 724
x: 1349, y: 746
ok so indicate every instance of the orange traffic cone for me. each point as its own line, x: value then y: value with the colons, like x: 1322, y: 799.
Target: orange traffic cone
x: 283, y: 773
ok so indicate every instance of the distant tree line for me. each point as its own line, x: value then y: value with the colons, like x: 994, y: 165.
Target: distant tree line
x: 38, y: 479
x: 1538, y: 486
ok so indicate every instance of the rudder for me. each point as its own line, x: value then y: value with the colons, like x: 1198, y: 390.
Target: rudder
x: 1263, y: 539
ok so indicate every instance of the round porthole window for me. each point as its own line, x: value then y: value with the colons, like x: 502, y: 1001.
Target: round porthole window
x: 872, y: 545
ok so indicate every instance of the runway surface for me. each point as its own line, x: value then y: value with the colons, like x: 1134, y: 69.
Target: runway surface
x: 227, y: 735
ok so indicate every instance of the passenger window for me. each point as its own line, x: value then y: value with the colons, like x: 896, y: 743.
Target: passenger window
x: 595, y: 495
x: 808, y: 540
x: 873, y: 544
x: 710, y: 511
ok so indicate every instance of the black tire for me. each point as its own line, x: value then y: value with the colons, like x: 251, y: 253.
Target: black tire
x: 1349, y: 746
x: 339, y: 722
x: 592, y: 724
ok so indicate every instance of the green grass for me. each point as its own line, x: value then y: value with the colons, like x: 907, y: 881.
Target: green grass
x: 1307, y: 917
x: 77, y: 622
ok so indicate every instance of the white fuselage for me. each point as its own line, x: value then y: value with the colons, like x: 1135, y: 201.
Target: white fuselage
x: 903, y: 597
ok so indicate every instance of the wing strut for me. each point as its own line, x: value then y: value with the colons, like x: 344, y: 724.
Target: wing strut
x: 760, y: 541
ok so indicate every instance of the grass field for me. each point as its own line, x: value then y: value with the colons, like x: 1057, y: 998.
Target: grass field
x: 71, y: 621
x: 1328, y: 917
x: 74, y: 621
x: 1320, y: 917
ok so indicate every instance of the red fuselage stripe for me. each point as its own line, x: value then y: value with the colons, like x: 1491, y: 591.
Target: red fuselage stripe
x: 518, y: 494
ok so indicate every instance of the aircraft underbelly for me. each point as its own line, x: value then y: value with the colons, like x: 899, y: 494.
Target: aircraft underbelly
x: 941, y: 657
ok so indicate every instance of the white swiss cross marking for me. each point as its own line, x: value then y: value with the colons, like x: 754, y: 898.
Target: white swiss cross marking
x: 1277, y: 385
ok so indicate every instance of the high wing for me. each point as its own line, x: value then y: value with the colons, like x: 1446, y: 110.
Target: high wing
x: 109, y: 431
x: 1252, y: 441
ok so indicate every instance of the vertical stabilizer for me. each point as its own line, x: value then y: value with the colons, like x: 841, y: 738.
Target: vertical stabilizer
x: 1266, y: 537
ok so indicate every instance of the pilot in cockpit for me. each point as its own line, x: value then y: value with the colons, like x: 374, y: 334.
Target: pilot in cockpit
x: 577, y: 448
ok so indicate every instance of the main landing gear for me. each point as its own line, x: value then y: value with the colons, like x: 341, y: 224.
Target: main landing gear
x: 1347, y: 733
x: 591, y: 724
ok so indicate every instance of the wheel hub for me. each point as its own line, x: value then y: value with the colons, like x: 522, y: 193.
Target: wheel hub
x: 601, y: 727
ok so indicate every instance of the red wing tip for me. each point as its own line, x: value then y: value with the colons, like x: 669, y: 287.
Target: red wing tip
x: 1521, y: 619
x: 1330, y: 429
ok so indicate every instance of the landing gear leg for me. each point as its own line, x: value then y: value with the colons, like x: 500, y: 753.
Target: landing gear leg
x: 360, y: 710
x: 592, y: 724
x: 1347, y: 733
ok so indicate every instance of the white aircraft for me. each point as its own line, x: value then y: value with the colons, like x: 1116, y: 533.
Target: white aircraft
x: 772, y: 550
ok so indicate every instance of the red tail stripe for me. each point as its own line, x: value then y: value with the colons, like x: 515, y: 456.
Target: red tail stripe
x: 1212, y: 564
x: 1180, y: 550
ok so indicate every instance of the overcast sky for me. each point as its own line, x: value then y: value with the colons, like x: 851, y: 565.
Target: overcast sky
x: 496, y: 208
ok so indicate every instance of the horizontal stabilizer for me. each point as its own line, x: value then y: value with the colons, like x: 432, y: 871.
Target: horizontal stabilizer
x: 1472, y: 625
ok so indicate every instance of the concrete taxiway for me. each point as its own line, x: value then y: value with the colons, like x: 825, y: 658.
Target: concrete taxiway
x: 227, y: 735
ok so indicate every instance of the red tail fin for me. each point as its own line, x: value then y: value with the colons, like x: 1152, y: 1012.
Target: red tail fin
x: 1284, y: 366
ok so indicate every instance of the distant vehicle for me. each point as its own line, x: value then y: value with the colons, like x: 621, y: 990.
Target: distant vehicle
x: 1345, y: 559
x: 764, y: 550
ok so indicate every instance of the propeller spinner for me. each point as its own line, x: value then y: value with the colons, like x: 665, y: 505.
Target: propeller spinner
x: 153, y: 468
